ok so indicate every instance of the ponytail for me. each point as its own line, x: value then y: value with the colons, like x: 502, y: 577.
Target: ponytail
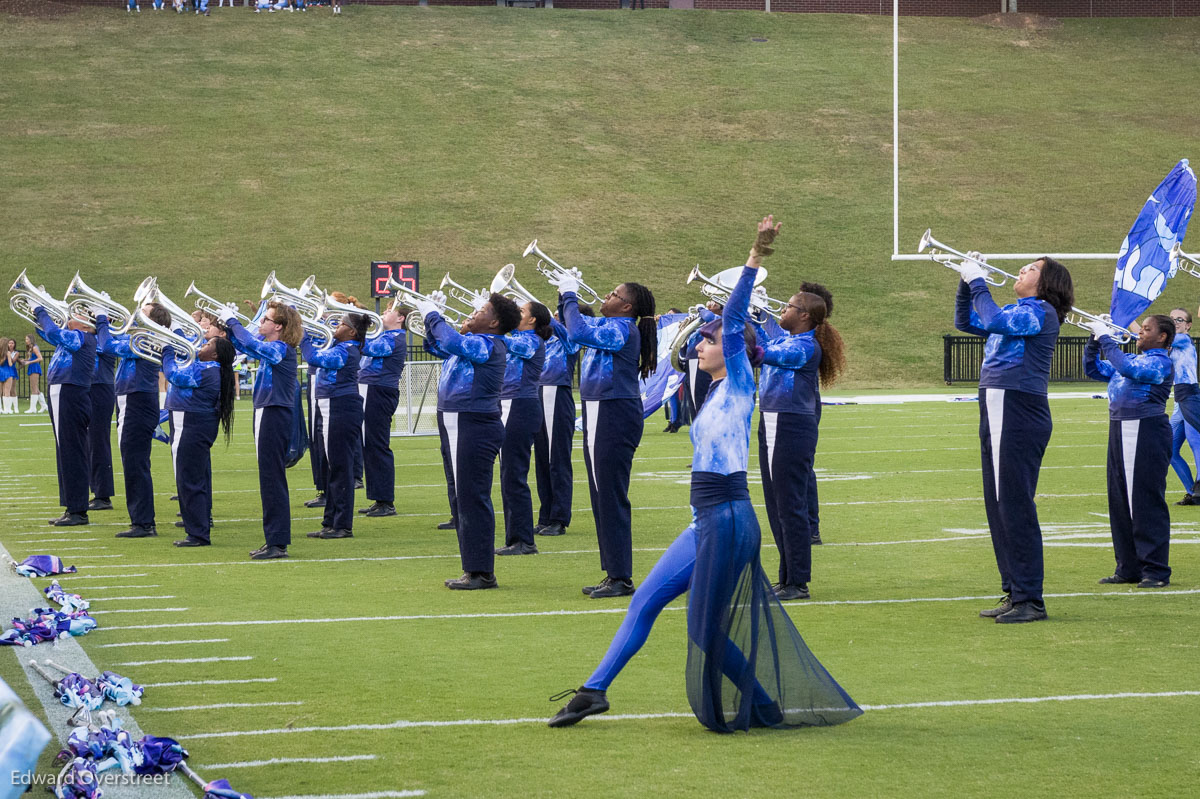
x: 647, y: 325
x: 541, y: 320
x: 225, y: 354
x: 833, y: 350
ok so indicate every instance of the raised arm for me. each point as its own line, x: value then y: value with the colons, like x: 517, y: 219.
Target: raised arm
x: 561, y: 331
x: 523, y: 347
x: 1154, y: 371
x: 271, y: 352
x: 333, y: 358
x: 600, y: 334
x: 1094, y: 366
x: 380, y: 346
x: 476, y: 349
x: 179, y: 375
x: 965, y: 318
x: 1015, y: 320
x: 72, y: 340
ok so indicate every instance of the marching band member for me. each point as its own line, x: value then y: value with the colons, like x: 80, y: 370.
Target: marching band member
x: 33, y: 367
x: 469, y: 423
x: 137, y: 417
x: 555, y: 436
x: 316, y: 432
x: 736, y: 630
x: 521, y: 415
x: 275, y: 387
x: 1139, y: 448
x: 341, y: 411
x: 1014, y: 423
x: 104, y: 402
x: 1185, y: 419
x: 795, y: 368
x: 200, y: 397
x: 70, y: 380
x: 379, y: 384
x: 621, y: 345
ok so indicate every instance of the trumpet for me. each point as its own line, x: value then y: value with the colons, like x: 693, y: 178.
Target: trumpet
x: 26, y: 297
x: 149, y: 292
x: 81, y: 300
x: 1082, y: 319
x: 336, y: 311
x: 720, y: 285
x: 687, y: 326
x: 994, y: 277
x: 1184, y: 262
x: 457, y: 292
x: 584, y: 289
x: 304, y: 299
x: 149, y: 339
x: 505, y: 282
x: 407, y: 298
x: 211, y: 306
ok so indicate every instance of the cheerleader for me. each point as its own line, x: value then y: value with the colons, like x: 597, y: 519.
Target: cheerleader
x: 521, y: 415
x: 621, y: 346
x: 104, y: 402
x: 275, y: 387
x: 341, y: 412
x: 8, y: 376
x: 33, y: 367
x: 1139, y: 448
x: 200, y: 397
x: 136, y: 386
x: 469, y: 423
x: 1185, y: 419
x: 747, y: 665
x: 555, y: 437
x: 1014, y: 418
x: 379, y: 384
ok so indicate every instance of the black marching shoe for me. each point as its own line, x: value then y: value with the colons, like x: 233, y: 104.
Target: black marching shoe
x: 519, y: 548
x: 553, y: 528
x: 1024, y: 611
x: 816, y: 540
x: 100, y: 503
x: 1188, y: 499
x: 316, y: 502
x: 450, y: 525
x: 786, y: 593
x: 1150, y: 582
x: 473, y: 581
x: 329, y: 532
x: 381, y: 509
x: 610, y: 587
x: 317, y: 533
x: 586, y: 702
x: 1117, y: 579
x: 174, y: 497
x: 263, y: 548
x: 139, y: 531
x: 193, y: 541
x: 70, y: 520
x: 269, y: 553
x: 1003, y: 606
x: 358, y: 483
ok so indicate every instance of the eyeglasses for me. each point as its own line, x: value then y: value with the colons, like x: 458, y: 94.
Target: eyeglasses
x: 612, y: 294
x: 1180, y: 320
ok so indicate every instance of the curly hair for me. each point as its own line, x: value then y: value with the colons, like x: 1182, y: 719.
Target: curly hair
x: 833, y: 351
x: 508, y: 314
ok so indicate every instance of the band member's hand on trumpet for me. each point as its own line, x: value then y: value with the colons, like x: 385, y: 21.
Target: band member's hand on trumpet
x: 432, y: 303
x: 566, y: 281
x: 969, y: 268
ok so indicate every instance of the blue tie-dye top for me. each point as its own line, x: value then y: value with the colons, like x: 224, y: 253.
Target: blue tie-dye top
x: 610, y: 365
x: 195, y: 387
x: 1138, y: 385
x: 790, y: 378
x: 522, y: 365
x: 474, y: 369
x: 383, y: 359
x: 338, y: 375
x: 1020, y: 337
x: 1183, y: 358
x: 721, y: 431
x: 134, y: 374
x: 74, y: 359
x: 275, y: 385
x: 559, y: 366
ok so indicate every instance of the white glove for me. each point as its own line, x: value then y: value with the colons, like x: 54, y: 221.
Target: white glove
x: 969, y: 269
x: 95, y: 311
x: 425, y: 308
x: 480, y: 298
x: 438, y: 297
x: 1099, y: 329
x: 228, y: 313
x: 566, y: 281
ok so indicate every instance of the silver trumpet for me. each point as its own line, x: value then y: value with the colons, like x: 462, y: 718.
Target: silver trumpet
x: 81, y: 300
x: 26, y: 297
x: 407, y: 299
x: 1184, y: 262
x: 212, y: 306
x: 505, y: 282
x: 1082, y: 319
x: 336, y: 311
x: 457, y: 292
x: 720, y: 286
x: 149, y: 340
x: 944, y: 255
x: 687, y: 326
x: 585, y: 290
x: 308, y: 300
x: 149, y: 292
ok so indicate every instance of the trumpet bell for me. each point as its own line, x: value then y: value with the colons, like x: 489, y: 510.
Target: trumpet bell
x: 150, y: 340
x: 26, y: 297
x: 81, y: 299
x: 505, y: 282
x: 532, y: 248
x: 926, y: 240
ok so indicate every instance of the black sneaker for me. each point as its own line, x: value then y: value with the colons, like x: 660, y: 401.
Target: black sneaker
x: 787, y: 593
x: 1188, y: 499
x: 613, y: 588
x: 381, y: 509
x: 100, y: 503
x: 70, y: 520
x: 586, y: 702
x: 473, y: 581
x: 1150, y: 582
x: 139, y: 531
x: 317, y: 533
x: 552, y: 529
x: 1117, y: 579
x: 193, y: 541
x: 263, y: 548
x: 329, y: 532
x: 270, y: 553
x: 450, y: 525
x: 537, y: 528
x: 519, y: 548
x: 1003, y: 606
x: 316, y: 502
x: 588, y: 589
x: 1024, y: 611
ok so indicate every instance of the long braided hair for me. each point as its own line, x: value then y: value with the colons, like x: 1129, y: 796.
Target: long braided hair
x: 833, y: 354
x: 642, y: 300
x: 225, y: 356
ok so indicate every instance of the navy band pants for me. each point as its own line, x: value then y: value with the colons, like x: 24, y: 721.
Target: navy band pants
x: 378, y: 463
x: 70, y: 414
x: 193, y: 434
x: 521, y: 418
x: 1014, y: 429
x: 1139, y: 452
x: 612, y: 430
x: 552, y: 455
x: 341, y: 442
x: 473, y: 441
x: 272, y: 436
x: 137, y: 418
x: 104, y: 400
x: 447, y: 467
x: 787, y: 444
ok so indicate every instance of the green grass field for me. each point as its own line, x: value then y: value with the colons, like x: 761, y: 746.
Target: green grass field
x: 631, y: 145
x: 896, y: 588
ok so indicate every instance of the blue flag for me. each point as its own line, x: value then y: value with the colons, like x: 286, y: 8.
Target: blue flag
x: 1144, y: 263
x: 664, y: 380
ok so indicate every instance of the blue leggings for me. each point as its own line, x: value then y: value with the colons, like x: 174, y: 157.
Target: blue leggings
x: 669, y: 579
x: 1181, y: 431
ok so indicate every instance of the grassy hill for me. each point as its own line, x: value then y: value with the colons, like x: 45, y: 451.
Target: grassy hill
x: 631, y: 145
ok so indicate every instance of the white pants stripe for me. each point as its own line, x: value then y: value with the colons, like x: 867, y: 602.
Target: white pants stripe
x: 121, y: 399
x: 323, y: 408
x: 1129, y: 442
x: 362, y: 392
x: 55, y: 391
x: 257, y: 422
x: 995, y: 412
x: 771, y: 429
x: 177, y: 424
x: 549, y: 395
x: 505, y: 407
x: 592, y: 419
x: 450, y: 420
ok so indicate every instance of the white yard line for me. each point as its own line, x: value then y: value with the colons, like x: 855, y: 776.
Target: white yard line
x: 208, y: 682
x: 220, y: 706
x: 143, y: 610
x: 279, y: 761
x: 185, y: 660
x: 117, y: 598
x: 165, y: 643
x: 371, y: 795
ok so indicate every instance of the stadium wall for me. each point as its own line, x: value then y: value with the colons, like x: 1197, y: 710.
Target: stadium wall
x: 940, y: 8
